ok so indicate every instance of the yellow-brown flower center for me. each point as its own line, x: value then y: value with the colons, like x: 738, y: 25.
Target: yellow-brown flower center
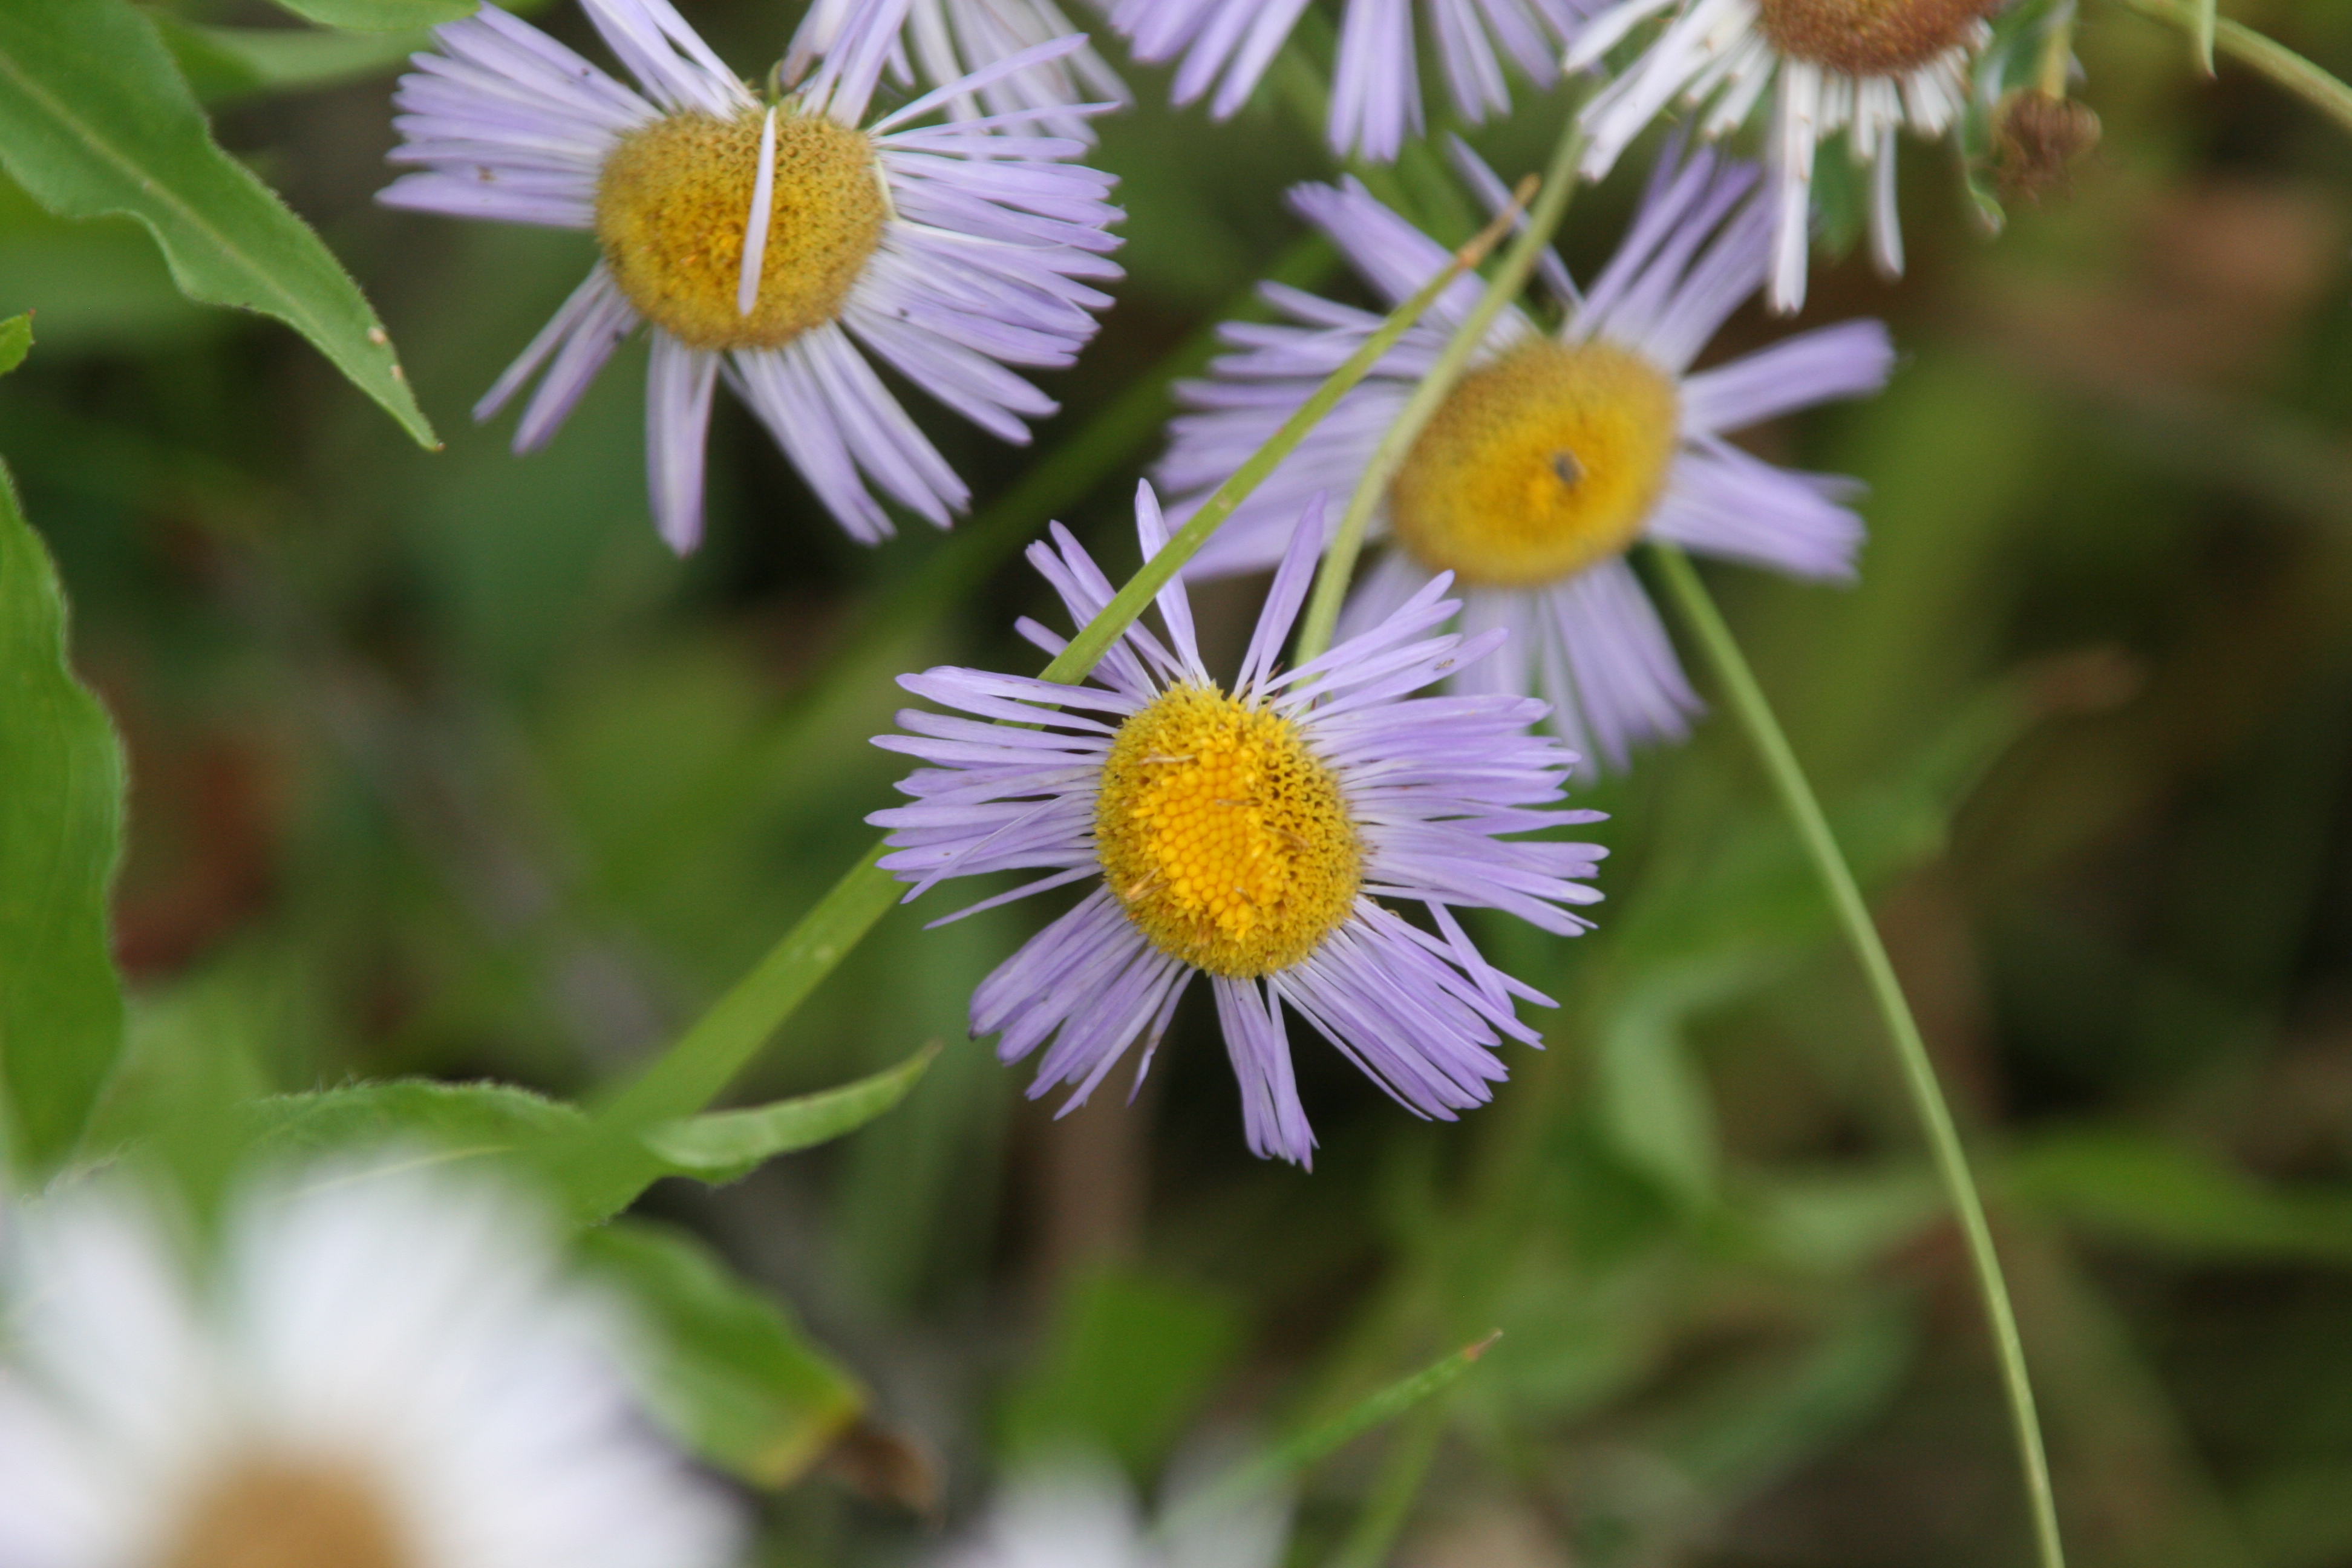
x: 673, y: 202
x: 1537, y: 466
x: 279, y: 1512
x: 1869, y: 38
x: 1222, y: 836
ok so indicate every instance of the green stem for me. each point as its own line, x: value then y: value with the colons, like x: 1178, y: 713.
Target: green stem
x: 2057, y: 50
x: 723, y: 1040
x: 2270, y: 58
x: 1087, y: 649
x: 1755, y: 717
x: 1402, y: 1471
x: 1510, y: 278
x: 1290, y: 1458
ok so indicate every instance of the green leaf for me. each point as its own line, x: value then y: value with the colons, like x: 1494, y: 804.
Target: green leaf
x: 735, y: 1378
x: 1652, y: 1099
x: 381, y: 16
x: 1303, y: 1449
x: 489, y: 1120
x: 61, y: 791
x: 2158, y: 1193
x: 226, y: 63
x: 1130, y: 1359
x: 95, y: 118
x: 15, y: 340
x: 728, y: 1144
x: 467, y: 1119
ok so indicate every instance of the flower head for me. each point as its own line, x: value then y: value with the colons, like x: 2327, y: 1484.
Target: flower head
x: 1376, y: 83
x: 1867, y: 68
x: 1555, y: 452
x: 775, y: 244
x: 953, y: 38
x: 1247, y: 832
x: 383, y: 1370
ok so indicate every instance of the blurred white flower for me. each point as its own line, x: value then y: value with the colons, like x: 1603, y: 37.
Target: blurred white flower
x: 1081, y: 1513
x: 383, y: 1370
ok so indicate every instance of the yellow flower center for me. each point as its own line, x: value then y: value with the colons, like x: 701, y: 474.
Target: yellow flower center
x: 1869, y: 38
x: 1537, y: 466
x: 279, y: 1512
x: 1222, y: 836
x: 674, y: 200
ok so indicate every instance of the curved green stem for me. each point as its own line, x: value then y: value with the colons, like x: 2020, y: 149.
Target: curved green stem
x: 1402, y: 1471
x: 725, y: 1038
x: 1510, y: 278
x: 1755, y: 717
x: 2259, y: 53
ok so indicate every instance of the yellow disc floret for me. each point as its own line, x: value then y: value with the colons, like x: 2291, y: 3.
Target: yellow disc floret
x: 1222, y: 836
x: 1869, y: 38
x: 1537, y: 466
x: 675, y: 198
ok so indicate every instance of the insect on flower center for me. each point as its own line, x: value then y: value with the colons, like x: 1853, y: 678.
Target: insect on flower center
x: 1869, y: 38
x: 1222, y: 836
x: 673, y: 209
x: 272, y: 1512
x: 1537, y: 466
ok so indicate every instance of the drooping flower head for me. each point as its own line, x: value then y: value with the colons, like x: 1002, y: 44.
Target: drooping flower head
x: 382, y: 1370
x: 952, y: 38
x: 1867, y: 68
x: 777, y: 243
x: 1248, y: 833
x: 1555, y: 452
x: 1376, y: 81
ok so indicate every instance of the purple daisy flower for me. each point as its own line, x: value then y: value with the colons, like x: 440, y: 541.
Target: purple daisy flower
x: 776, y: 245
x: 952, y: 38
x: 1247, y: 834
x: 1376, y: 83
x: 1555, y: 452
x: 1867, y: 69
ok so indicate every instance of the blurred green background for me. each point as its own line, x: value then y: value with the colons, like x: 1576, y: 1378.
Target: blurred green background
x: 443, y: 764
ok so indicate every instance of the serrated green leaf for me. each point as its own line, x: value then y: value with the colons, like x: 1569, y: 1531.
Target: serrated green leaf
x: 381, y: 16
x: 61, y: 791
x: 15, y: 340
x: 735, y: 1378
x: 226, y: 63
x: 726, y: 1144
x: 95, y: 120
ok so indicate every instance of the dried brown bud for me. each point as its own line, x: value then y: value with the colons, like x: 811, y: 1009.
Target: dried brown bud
x: 2036, y: 139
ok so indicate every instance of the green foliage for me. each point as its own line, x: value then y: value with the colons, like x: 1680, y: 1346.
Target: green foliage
x: 1129, y: 1360
x: 2154, y: 1193
x: 380, y: 15
x: 527, y: 795
x: 595, y: 1178
x: 60, y: 837
x: 723, y: 1145
x: 734, y: 1378
x: 95, y: 118
x: 223, y: 64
